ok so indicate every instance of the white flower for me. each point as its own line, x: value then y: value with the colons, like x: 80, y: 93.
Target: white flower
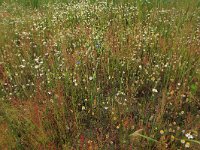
x: 182, y: 112
x: 36, y: 59
x: 90, y: 78
x: 105, y: 108
x: 22, y: 66
x: 83, y: 107
x: 182, y: 141
x: 189, y: 136
x: 37, y: 66
x: 154, y: 90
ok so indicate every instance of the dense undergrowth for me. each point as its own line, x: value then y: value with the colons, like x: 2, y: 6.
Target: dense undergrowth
x: 100, y: 75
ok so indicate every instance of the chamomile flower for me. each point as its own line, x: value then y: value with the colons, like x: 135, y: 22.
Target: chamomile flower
x: 189, y: 136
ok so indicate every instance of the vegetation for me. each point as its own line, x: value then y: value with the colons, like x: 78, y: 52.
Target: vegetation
x: 100, y: 74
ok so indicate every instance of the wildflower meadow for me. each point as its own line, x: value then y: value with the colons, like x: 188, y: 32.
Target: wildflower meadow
x: 99, y: 74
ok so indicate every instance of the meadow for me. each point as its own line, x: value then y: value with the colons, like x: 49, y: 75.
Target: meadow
x: 100, y: 75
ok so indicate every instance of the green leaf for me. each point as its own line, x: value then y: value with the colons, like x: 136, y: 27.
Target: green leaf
x: 193, y: 88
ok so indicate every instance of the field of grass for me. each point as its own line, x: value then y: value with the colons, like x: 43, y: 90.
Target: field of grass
x: 100, y: 75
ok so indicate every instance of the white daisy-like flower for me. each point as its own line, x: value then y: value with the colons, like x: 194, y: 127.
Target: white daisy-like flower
x: 37, y: 66
x: 189, y: 136
x: 90, y: 78
x: 154, y: 90
x: 105, y: 108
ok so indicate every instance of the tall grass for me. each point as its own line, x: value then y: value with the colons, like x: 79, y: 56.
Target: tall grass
x: 99, y: 75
